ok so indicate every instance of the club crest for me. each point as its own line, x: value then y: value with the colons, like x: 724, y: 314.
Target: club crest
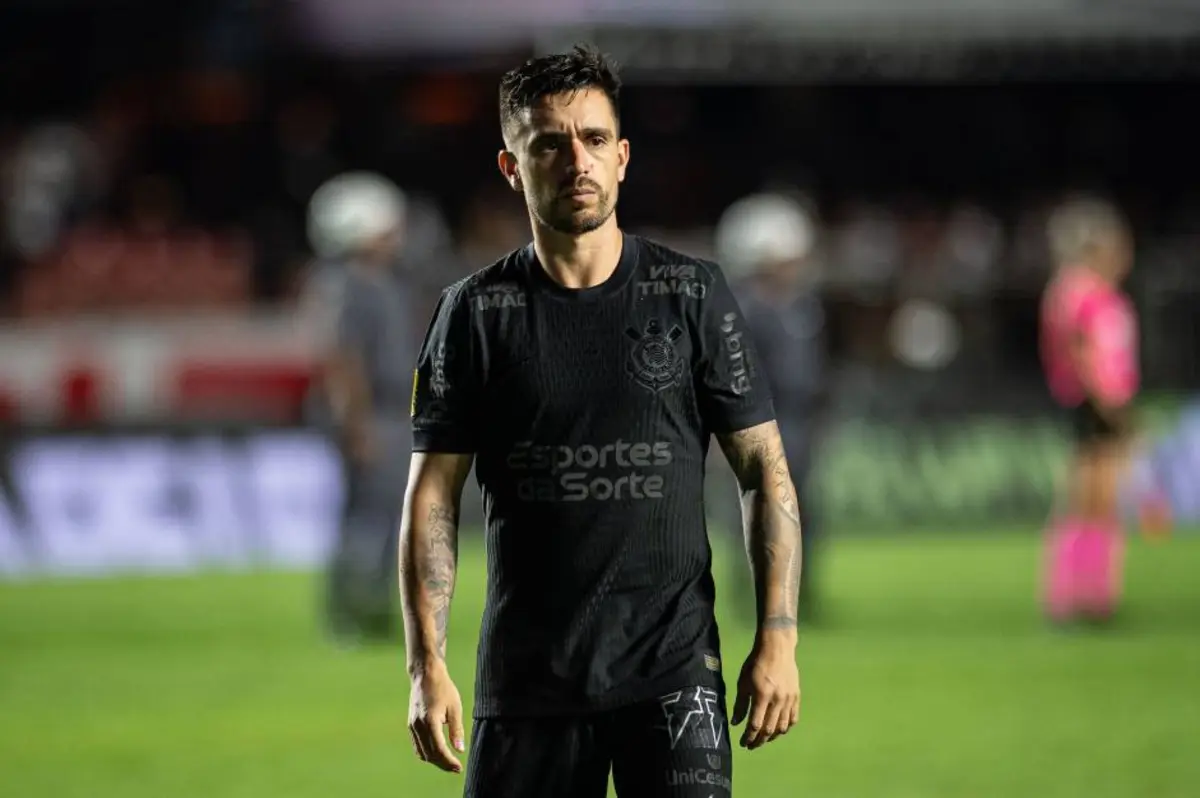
x: 654, y: 362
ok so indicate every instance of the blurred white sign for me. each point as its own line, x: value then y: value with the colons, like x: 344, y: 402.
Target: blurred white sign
x: 103, y: 505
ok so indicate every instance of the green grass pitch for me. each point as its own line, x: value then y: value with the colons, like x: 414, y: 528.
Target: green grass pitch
x: 933, y: 679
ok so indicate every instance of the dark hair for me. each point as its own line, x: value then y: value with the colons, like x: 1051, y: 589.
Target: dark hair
x: 584, y: 67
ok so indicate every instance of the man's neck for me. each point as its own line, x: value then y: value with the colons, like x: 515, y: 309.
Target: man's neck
x: 582, y: 261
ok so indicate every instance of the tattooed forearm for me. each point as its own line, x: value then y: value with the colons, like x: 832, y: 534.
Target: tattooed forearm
x: 438, y: 568
x: 771, y: 515
x: 428, y: 566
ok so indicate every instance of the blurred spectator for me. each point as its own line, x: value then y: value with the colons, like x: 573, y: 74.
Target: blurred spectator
x: 765, y: 243
x: 357, y: 226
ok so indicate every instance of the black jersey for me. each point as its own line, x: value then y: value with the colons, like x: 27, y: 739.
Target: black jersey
x: 590, y: 412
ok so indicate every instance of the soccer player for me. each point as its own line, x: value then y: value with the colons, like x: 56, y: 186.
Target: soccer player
x: 584, y: 375
x: 1090, y: 354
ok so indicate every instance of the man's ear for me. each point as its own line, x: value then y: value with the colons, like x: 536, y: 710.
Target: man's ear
x: 508, y: 167
x: 622, y: 159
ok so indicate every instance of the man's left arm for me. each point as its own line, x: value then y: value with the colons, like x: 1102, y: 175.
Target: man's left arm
x: 768, y: 691
x: 735, y: 403
x: 771, y: 519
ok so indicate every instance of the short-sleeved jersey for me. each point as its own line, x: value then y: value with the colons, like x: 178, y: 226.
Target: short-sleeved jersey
x: 1082, y: 313
x: 590, y: 413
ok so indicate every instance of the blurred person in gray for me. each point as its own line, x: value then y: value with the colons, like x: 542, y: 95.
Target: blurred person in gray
x: 765, y: 242
x: 366, y: 312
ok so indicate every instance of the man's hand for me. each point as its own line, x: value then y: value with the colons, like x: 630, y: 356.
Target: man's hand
x: 768, y: 692
x: 433, y: 704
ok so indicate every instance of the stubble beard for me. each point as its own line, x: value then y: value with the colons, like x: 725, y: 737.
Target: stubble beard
x: 574, y: 224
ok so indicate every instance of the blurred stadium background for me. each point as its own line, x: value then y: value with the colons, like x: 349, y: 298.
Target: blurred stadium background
x: 168, y: 494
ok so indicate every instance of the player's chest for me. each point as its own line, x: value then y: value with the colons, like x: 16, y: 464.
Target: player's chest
x: 569, y: 358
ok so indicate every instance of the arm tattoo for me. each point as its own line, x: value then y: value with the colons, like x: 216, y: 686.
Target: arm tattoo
x: 438, y: 567
x: 428, y: 567
x: 771, y: 514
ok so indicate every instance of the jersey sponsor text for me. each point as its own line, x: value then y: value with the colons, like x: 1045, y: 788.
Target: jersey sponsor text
x: 606, y: 472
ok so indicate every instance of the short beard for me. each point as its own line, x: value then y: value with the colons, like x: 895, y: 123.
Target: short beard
x: 572, y: 224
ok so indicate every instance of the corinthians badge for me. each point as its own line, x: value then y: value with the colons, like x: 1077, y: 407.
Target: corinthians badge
x: 654, y: 363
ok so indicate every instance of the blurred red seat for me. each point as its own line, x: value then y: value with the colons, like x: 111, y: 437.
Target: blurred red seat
x: 258, y: 391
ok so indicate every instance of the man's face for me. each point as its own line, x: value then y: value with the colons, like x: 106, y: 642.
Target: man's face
x: 566, y: 158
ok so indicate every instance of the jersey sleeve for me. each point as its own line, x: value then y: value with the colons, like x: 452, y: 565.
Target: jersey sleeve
x: 445, y: 383
x: 731, y: 387
x: 1109, y: 330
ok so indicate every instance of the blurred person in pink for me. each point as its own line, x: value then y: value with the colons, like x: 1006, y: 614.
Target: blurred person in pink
x: 1089, y: 348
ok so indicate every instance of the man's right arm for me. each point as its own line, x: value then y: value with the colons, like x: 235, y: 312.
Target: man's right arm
x: 429, y: 554
x: 445, y: 415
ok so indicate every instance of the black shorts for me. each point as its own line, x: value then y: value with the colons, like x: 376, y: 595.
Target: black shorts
x: 1090, y: 426
x: 674, y: 747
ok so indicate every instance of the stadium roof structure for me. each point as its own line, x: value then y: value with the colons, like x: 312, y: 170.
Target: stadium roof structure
x: 785, y: 40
